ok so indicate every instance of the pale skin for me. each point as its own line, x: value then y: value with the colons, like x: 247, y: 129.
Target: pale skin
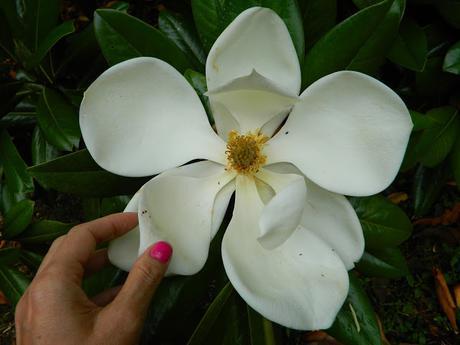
x: 55, y: 310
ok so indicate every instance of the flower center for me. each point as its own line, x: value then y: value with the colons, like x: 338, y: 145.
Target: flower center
x: 244, y: 152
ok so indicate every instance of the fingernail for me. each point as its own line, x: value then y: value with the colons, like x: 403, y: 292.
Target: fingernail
x: 161, y: 251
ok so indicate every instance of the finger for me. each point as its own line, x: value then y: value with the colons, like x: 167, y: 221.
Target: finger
x: 105, y: 297
x: 75, y: 249
x: 98, y: 260
x: 146, y: 274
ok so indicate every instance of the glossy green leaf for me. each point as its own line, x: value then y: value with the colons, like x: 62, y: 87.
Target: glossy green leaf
x: 450, y: 10
x: 452, y: 60
x: 421, y: 121
x: 184, y: 35
x: 18, y: 118
x: 436, y: 142
x: 261, y: 330
x: 32, y: 259
x: 428, y: 185
x: 58, y: 120
x: 410, y: 47
x: 213, y: 312
x: 18, y: 218
x: 358, y: 43
x: 9, y: 256
x: 356, y: 323
x: 41, y: 150
x: 456, y: 162
x: 59, y: 32
x: 18, y: 180
x: 365, y: 3
x: 198, y: 81
x: 433, y: 84
x: 44, y: 231
x: 31, y: 20
x: 319, y: 16
x: 384, y: 224
x: 122, y: 37
x: 13, y: 283
x: 98, y: 207
x: 386, y: 262
x: 77, y: 173
x: 106, y: 278
x: 213, y: 16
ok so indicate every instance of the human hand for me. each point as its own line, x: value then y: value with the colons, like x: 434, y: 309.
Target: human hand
x: 55, y: 310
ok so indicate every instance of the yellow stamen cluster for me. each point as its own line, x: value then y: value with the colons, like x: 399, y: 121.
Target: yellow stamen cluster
x: 244, y: 152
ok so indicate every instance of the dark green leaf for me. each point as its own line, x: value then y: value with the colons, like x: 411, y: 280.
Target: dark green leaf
x: 358, y: 43
x: 184, y: 35
x: 44, y: 231
x: 365, y: 3
x: 50, y: 41
x: 6, y: 39
x: 31, y: 20
x: 8, y: 96
x: 18, y: 218
x: 261, y: 330
x: 18, y: 180
x: 16, y: 118
x: 384, y: 224
x: 422, y: 121
x: 106, y: 278
x: 210, y: 317
x: 450, y: 10
x: 436, y: 142
x: 428, y: 184
x: 456, y: 162
x: 213, y: 16
x: 356, y: 323
x: 32, y: 259
x: 319, y: 16
x: 58, y: 120
x: 387, y: 263
x: 77, y: 173
x: 13, y: 283
x: 9, y: 256
x: 41, y: 150
x: 198, y: 81
x: 452, y: 60
x: 122, y: 37
x: 410, y: 48
x: 433, y: 84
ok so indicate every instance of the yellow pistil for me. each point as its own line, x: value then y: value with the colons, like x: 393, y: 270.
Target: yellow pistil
x: 244, y: 152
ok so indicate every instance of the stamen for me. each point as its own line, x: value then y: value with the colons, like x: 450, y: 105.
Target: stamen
x: 244, y: 152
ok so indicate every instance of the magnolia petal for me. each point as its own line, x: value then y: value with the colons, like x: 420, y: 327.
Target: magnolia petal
x: 132, y: 120
x: 282, y: 214
x: 220, y: 206
x: 301, y: 284
x: 123, y: 251
x: 177, y: 207
x: 348, y: 134
x: 331, y: 217
x: 253, y: 101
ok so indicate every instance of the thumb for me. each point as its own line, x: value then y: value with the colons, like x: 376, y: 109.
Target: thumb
x: 143, y: 279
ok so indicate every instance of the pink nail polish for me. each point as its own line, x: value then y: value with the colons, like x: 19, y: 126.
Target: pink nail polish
x: 161, y: 251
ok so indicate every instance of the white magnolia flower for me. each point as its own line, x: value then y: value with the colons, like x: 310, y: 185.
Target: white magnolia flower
x: 293, y: 236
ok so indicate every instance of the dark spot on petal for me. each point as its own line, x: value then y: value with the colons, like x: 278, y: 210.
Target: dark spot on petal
x: 287, y: 132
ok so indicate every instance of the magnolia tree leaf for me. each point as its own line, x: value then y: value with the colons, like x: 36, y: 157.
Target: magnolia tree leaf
x: 59, y: 32
x: 428, y: 185
x: 319, y: 16
x: 42, y: 151
x: 433, y: 84
x: 106, y: 278
x: 358, y: 43
x: 386, y: 262
x: 384, y: 224
x: 213, y: 16
x: 436, y: 142
x: 32, y: 259
x: 18, y: 181
x: 77, y: 173
x: 13, y: 283
x: 452, y: 60
x: 410, y: 47
x: 58, y: 120
x: 261, y: 330
x: 10, y: 256
x: 122, y: 37
x: 184, y: 35
x: 18, y: 218
x: 450, y: 10
x: 356, y: 323
x: 44, y: 231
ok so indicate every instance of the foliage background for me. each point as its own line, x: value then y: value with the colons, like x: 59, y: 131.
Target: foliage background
x: 50, y: 51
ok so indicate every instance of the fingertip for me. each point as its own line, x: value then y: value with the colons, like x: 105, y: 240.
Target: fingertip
x: 161, y: 251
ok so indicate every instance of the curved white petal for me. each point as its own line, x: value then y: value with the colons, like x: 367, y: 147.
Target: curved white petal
x: 252, y: 101
x: 331, y: 217
x: 141, y: 117
x: 348, y: 134
x: 178, y: 207
x: 282, y: 214
x: 123, y: 251
x: 220, y: 206
x: 300, y: 284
